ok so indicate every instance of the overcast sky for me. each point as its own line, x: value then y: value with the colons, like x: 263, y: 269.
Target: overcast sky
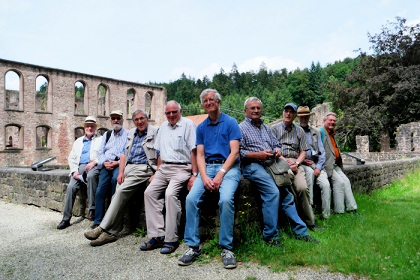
x: 144, y: 41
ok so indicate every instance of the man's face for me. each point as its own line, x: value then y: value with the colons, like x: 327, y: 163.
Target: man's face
x: 289, y: 114
x: 90, y: 129
x: 140, y: 121
x: 304, y: 120
x: 253, y: 110
x: 173, y: 113
x: 330, y: 122
x: 116, y: 122
x: 210, y: 103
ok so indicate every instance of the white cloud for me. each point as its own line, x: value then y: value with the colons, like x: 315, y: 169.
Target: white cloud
x: 210, y: 71
x: 272, y: 63
x: 384, y: 3
x: 14, y: 6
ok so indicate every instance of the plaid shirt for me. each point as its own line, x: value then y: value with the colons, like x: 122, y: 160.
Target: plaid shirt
x: 293, y: 141
x: 256, y: 138
x: 137, y: 154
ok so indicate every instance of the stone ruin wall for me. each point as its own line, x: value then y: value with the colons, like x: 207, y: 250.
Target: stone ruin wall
x: 21, y: 116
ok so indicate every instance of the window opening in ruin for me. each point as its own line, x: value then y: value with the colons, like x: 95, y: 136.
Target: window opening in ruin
x: 101, y: 131
x: 79, y: 99
x: 43, y: 137
x: 13, y: 96
x: 148, y: 104
x: 103, y: 104
x: 78, y: 132
x: 130, y: 102
x: 14, y: 137
x: 41, y: 95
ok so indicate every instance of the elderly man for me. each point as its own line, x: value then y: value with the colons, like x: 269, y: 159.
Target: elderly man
x: 313, y: 164
x: 218, y: 163
x: 82, y: 162
x: 293, y: 142
x: 112, y: 147
x: 176, y: 165
x: 342, y: 193
x: 137, y: 165
x: 255, y: 147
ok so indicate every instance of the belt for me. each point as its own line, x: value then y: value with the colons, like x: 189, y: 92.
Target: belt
x: 246, y: 163
x: 178, y: 163
x: 219, y: 161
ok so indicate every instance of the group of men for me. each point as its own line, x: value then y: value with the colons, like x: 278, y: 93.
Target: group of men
x: 208, y: 158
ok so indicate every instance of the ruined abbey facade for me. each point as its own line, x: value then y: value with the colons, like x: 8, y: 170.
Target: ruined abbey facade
x: 43, y: 121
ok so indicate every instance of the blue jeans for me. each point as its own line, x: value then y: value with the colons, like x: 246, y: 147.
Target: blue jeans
x: 226, y: 206
x: 105, y: 176
x: 270, y: 196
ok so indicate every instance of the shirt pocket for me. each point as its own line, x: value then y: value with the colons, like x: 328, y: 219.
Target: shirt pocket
x: 224, y: 139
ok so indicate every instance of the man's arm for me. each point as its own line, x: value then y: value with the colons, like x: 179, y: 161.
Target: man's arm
x: 201, y: 163
x: 159, y: 162
x: 120, y: 178
x: 73, y: 164
x: 233, y: 156
x: 194, y: 168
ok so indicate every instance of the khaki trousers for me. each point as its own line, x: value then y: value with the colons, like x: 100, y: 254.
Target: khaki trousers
x: 164, y: 190
x: 136, y: 177
x: 324, y: 185
x: 342, y: 192
x: 300, y: 191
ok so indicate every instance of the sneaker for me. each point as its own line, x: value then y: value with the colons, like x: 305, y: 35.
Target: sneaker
x: 94, y: 234
x: 189, y: 256
x: 103, y: 239
x: 307, y: 238
x: 228, y: 259
x: 273, y: 243
x: 355, y: 213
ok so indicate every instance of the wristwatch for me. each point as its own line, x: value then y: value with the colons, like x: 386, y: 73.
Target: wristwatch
x: 195, y: 174
x: 223, y: 171
x: 298, y: 163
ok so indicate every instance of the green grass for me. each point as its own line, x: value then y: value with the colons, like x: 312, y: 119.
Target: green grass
x: 383, y: 244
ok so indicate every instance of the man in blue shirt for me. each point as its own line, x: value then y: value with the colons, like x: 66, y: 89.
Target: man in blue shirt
x: 108, y: 162
x: 82, y: 163
x: 218, y: 165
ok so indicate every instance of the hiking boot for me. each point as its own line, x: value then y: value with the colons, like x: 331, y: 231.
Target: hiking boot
x: 189, y: 256
x: 315, y: 227
x: 94, y: 234
x: 103, y: 239
x: 355, y: 213
x: 307, y: 238
x: 228, y: 259
x: 273, y: 243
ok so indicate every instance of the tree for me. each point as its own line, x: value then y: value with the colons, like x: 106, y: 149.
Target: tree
x: 383, y: 90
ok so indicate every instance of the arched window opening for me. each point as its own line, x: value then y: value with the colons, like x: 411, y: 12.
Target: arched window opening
x: 78, y: 132
x: 103, y: 100
x: 41, y: 96
x: 131, y: 95
x: 14, y: 93
x: 14, y: 136
x: 80, y: 108
x: 148, y: 104
x: 101, y: 131
x: 10, y: 142
x: 43, y: 137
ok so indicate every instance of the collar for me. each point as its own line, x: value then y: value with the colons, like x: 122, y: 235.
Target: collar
x: 330, y: 132
x: 252, y: 121
x: 221, y: 119
x: 178, y: 123
x: 85, y: 139
x: 285, y: 127
x: 119, y: 133
x: 141, y: 134
x: 306, y: 129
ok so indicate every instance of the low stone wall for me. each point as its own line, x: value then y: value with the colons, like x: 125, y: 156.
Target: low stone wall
x: 47, y: 189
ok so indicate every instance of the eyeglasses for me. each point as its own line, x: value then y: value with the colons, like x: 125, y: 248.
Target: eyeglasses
x: 139, y: 119
x: 254, y: 108
x: 115, y: 118
x: 210, y: 100
x: 289, y: 111
x: 173, y: 112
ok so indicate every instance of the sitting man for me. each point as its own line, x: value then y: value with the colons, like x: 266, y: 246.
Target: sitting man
x: 137, y: 165
x: 313, y: 164
x: 177, y: 160
x: 112, y: 147
x: 293, y: 142
x: 218, y: 163
x: 82, y: 162
x: 342, y: 193
x: 255, y: 146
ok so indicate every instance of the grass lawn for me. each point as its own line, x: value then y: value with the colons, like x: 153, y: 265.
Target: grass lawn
x: 383, y: 244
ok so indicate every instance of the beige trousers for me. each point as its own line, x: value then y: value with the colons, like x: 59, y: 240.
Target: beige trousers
x: 300, y: 191
x: 136, y: 177
x: 164, y: 190
x: 342, y: 192
x: 324, y: 185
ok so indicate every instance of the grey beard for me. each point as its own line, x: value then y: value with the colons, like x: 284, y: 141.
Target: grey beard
x: 116, y: 127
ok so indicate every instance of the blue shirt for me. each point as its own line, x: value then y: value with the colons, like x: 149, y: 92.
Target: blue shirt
x: 216, y: 137
x: 137, y: 154
x: 85, y: 157
x: 114, y: 148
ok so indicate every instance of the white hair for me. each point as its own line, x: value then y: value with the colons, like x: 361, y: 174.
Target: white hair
x: 250, y: 99
x: 329, y: 113
x: 206, y: 91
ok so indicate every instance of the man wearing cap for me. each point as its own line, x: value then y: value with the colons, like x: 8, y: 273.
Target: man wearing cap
x: 218, y: 163
x: 112, y: 146
x: 177, y: 166
x: 83, y: 159
x: 294, y: 146
x: 342, y: 192
x: 137, y: 166
x: 255, y: 148
x: 313, y: 164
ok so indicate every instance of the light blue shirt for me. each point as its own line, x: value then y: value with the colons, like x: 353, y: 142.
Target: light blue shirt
x: 85, y: 157
x: 114, y: 148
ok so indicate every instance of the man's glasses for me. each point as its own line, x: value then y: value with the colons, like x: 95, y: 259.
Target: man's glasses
x: 210, y: 100
x: 254, y: 108
x: 173, y: 112
x: 139, y: 119
x: 115, y: 118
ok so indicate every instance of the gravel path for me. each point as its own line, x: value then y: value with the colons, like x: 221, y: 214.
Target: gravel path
x: 31, y: 248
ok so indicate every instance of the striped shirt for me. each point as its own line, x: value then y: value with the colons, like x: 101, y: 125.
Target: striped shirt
x: 256, y: 138
x: 292, y: 142
x: 113, y: 148
x: 137, y: 154
x: 175, y: 143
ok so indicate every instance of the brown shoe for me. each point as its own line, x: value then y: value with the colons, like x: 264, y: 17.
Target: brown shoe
x: 91, y: 215
x: 63, y: 224
x: 103, y: 239
x: 94, y: 234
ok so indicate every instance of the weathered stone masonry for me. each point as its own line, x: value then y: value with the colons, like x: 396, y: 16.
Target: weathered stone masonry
x: 51, y: 132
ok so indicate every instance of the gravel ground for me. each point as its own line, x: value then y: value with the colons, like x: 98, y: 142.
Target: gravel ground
x: 31, y: 248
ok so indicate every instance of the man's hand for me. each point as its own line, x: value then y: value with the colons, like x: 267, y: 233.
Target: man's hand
x: 76, y: 175
x: 317, y: 172
x: 151, y: 178
x: 111, y: 165
x: 307, y: 162
x: 191, y: 182
x: 217, y: 180
x: 208, y: 183
x: 278, y: 153
x: 89, y: 166
x: 266, y: 155
x: 292, y: 164
x: 120, y: 178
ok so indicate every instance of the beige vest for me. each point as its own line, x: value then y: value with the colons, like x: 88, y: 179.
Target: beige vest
x: 330, y: 154
x: 147, y: 145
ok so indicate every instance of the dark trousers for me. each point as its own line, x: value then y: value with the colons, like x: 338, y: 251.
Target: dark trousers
x: 106, y: 178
